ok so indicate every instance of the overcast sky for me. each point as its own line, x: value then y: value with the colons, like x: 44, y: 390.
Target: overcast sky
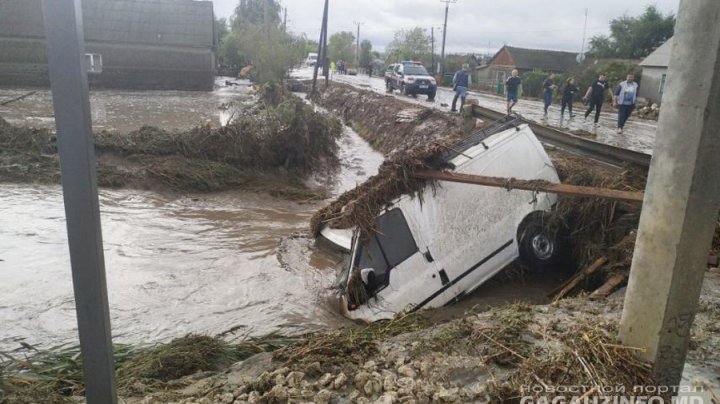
x: 473, y: 25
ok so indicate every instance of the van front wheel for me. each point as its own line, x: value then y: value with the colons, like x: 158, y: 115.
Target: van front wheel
x: 543, y: 244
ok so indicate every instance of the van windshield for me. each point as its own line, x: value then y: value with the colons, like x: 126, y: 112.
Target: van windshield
x: 415, y: 70
x: 391, y: 244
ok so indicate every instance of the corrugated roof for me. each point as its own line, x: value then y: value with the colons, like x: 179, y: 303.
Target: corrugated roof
x: 541, y: 59
x: 152, y: 22
x: 660, y: 57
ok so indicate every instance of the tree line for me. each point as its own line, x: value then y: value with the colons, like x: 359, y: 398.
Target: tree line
x: 255, y: 35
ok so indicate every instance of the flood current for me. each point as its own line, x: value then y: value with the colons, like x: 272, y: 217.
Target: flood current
x: 176, y: 264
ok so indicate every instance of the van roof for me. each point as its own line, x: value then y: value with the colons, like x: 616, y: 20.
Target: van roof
x: 476, y: 138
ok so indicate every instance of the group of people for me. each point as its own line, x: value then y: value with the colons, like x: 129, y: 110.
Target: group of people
x: 340, y: 67
x: 623, y: 98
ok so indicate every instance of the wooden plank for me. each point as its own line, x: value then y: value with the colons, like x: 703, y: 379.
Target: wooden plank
x: 608, y: 287
x: 530, y: 185
x: 577, y: 278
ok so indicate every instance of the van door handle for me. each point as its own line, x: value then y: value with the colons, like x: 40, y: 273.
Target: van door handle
x: 428, y: 256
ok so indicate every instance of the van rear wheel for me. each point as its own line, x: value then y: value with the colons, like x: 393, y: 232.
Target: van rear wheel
x: 543, y: 243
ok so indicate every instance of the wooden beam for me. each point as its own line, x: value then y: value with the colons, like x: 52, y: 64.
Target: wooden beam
x: 571, y: 283
x: 607, y: 288
x: 530, y: 185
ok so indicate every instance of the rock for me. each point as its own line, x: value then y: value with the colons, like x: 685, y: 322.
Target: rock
x: 340, y: 381
x: 368, y: 388
x: 306, y: 394
x: 323, y: 397
x: 422, y: 398
x: 361, y: 378
x: 370, y: 365
x: 245, y: 72
x: 280, y: 393
x: 279, y: 380
x: 353, y: 396
x: 406, y: 371
x: 204, y: 400
x: 254, y: 397
x: 385, y: 399
x: 408, y: 399
x: 227, y: 398
x: 362, y: 400
x: 241, y: 396
x: 325, y: 380
x: 446, y: 395
x: 294, y: 378
x: 389, y: 382
x: 406, y: 383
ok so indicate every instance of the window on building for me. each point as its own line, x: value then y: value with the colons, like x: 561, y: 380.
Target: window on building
x: 93, y: 62
x: 662, y: 84
x: 391, y: 244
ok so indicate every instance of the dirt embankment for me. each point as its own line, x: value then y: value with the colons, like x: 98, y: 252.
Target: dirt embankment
x: 270, y: 146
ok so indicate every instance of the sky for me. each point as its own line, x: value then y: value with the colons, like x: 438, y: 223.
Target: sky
x: 474, y: 26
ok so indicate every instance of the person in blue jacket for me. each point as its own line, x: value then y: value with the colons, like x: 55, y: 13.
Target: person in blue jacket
x: 624, y: 100
x: 461, y: 83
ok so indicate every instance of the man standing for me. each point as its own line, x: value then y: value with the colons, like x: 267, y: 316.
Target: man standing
x: 595, y: 96
x: 513, y: 84
x: 548, y: 88
x: 625, y: 98
x: 461, y: 83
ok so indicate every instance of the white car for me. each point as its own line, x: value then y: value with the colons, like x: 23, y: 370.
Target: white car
x: 428, y: 251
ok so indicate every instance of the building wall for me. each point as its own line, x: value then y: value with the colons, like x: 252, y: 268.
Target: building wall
x: 144, y: 44
x: 652, y: 83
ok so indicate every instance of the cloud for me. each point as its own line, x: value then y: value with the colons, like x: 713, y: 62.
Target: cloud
x: 473, y: 25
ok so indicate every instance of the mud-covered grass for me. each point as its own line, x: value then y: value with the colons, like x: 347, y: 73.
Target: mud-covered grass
x: 55, y: 375
x: 269, y: 146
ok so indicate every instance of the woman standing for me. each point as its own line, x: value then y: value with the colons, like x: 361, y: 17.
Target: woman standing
x: 567, y: 99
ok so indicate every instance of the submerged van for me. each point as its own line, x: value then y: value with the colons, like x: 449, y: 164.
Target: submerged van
x: 428, y: 251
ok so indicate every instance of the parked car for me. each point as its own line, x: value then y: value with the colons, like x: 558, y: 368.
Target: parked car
x: 428, y: 251
x: 410, y: 78
x: 311, y: 59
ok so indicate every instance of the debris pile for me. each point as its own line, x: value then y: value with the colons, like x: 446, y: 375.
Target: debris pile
x: 651, y: 112
x: 270, y: 145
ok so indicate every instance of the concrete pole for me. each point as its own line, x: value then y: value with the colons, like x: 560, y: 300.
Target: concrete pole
x: 682, y: 198
x: 442, y: 52
x: 68, y: 80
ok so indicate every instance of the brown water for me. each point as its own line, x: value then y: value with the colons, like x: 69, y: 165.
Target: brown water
x: 128, y: 110
x: 175, y: 263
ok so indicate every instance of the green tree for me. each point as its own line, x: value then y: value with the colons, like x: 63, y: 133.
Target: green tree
x: 409, y: 44
x: 365, y: 52
x: 254, y: 12
x: 340, y: 46
x: 634, y: 37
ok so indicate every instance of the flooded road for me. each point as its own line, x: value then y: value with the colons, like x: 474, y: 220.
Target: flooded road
x: 639, y: 134
x: 124, y: 111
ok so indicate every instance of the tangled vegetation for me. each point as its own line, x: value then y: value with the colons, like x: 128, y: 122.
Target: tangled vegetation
x: 279, y: 136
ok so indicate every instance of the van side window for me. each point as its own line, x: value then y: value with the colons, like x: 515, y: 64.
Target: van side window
x: 392, y: 244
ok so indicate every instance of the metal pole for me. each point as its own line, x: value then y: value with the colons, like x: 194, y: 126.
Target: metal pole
x: 432, y: 48
x: 442, y: 54
x: 582, y: 50
x: 357, y: 47
x: 68, y: 79
x: 320, y: 48
x: 326, y: 57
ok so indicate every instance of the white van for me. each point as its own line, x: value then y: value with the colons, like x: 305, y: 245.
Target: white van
x: 429, y: 251
x: 311, y: 59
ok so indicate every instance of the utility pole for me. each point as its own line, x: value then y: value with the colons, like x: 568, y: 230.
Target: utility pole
x: 71, y: 103
x: 285, y: 20
x: 442, y: 53
x: 357, y: 45
x: 432, y: 48
x: 582, y: 50
x: 682, y: 199
x: 322, y: 50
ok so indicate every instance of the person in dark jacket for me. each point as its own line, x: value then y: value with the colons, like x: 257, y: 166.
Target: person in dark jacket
x: 595, y: 96
x: 567, y: 99
x: 461, y: 83
x: 548, y: 89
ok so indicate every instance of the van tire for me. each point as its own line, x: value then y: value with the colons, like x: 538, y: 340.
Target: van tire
x: 543, y: 244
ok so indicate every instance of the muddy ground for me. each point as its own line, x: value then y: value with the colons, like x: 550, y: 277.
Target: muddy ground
x: 270, y: 146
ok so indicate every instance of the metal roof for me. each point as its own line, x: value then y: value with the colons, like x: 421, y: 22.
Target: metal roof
x: 151, y: 22
x: 540, y: 59
x: 660, y: 57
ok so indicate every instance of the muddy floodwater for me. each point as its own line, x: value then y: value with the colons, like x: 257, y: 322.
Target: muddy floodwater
x: 124, y: 111
x: 175, y: 264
